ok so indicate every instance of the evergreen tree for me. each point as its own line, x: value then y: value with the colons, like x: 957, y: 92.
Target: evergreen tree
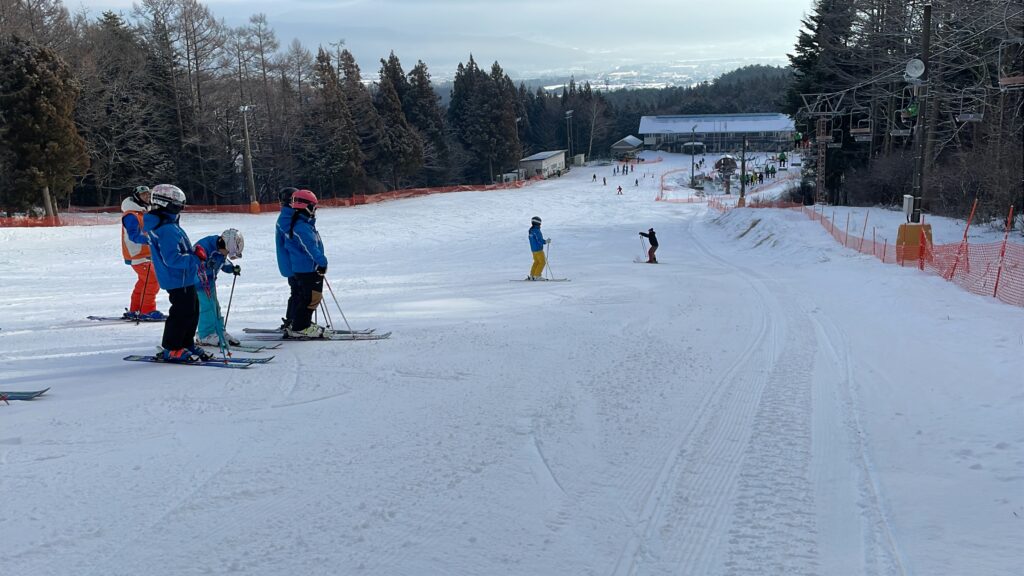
x: 367, y: 121
x: 329, y: 149
x: 41, y: 146
x: 402, y: 148
x: 425, y: 114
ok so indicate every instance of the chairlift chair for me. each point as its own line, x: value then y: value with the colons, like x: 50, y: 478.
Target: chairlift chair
x: 1011, y: 64
x: 836, y: 139
x: 900, y: 126
x: 971, y: 108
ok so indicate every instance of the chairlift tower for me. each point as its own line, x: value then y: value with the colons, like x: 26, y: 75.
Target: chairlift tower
x: 822, y: 107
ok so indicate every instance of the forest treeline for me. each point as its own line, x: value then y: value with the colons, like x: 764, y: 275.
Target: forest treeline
x: 851, y: 59
x: 93, y: 106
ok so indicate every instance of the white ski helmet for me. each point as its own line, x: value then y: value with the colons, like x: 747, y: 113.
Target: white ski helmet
x: 233, y: 242
x: 167, y: 196
x: 535, y: 221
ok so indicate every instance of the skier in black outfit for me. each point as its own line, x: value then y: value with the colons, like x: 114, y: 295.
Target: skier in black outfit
x: 654, y: 245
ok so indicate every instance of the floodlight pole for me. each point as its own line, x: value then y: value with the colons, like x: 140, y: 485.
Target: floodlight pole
x: 568, y: 131
x: 921, y: 130
x: 254, y: 205
x: 693, y: 151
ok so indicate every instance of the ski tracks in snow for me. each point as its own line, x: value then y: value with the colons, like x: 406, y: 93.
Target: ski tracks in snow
x: 738, y: 491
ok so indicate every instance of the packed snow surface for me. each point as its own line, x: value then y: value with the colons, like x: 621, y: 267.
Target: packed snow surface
x: 761, y: 402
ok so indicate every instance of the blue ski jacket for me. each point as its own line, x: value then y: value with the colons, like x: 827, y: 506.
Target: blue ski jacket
x: 305, y: 249
x: 175, y: 264
x: 284, y: 221
x: 536, y: 239
x: 215, y: 261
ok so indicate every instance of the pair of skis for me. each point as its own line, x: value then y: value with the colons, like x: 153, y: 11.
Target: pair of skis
x: 236, y: 363
x: 277, y: 335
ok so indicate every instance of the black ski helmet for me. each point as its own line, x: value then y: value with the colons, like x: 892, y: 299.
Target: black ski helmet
x: 137, y: 195
x: 535, y: 221
x: 285, y: 195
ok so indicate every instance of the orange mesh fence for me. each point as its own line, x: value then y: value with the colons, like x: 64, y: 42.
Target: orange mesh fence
x: 90, y: 216
x: 993, y: 269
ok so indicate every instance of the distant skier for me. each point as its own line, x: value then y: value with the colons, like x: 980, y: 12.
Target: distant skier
x: 218, y: 248
x: 176, y: 264
x: 135, y: 249
x: 284, y: 266
x: 537, y: 242
x: 594, y: 179
x: 308, y: 264
x: 654, y: 245
x: 619, y: 192
x: 604, y: 181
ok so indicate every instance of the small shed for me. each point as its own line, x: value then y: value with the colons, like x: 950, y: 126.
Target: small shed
x: 543, y: 164
x: 627, y: 147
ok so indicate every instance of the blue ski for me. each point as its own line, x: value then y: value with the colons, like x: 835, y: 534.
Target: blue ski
x: 29, y: 395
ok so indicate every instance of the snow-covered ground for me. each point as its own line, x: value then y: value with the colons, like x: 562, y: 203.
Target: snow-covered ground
x: 762, y: 402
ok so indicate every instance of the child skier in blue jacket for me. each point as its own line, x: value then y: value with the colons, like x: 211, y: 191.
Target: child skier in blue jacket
x: 307, y: 262
x: 176, y: 265
x: 218, y: 249
x: 284, y: 266
x: 537, y: 242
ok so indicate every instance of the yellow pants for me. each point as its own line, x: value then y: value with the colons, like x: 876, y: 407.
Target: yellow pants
x: 538, y: 263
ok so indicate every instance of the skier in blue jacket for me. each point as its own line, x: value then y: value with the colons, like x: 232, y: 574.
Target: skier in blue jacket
x: 176, y: 264
x: 284, y: 220
x: 537, y: 242
x: 308, y: 264
x: 218, y: 248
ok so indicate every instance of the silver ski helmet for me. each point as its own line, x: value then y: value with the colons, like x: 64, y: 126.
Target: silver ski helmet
x: 233, y: 242
x: 168, y: 197
x: 535, y: 221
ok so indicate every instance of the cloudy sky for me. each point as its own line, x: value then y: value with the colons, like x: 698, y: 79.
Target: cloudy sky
x: 525, y: 35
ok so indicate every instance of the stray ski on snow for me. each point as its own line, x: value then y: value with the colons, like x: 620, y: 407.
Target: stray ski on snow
x: 22, y: 395
x: 279, y: 331
x: 542, y: 280
x: 332, y: 336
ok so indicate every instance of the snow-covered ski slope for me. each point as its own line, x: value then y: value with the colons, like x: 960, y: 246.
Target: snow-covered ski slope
x: 762, y: 402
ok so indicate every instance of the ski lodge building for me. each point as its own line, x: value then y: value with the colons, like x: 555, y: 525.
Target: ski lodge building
x: 717, y: 132
x: 543, y: 164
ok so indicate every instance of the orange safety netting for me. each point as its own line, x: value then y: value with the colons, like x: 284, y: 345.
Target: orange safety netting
x: 994, y: 269
x: 90, y: 216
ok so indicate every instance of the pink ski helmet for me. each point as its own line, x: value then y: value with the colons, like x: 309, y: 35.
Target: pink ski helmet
x: 304, y: 199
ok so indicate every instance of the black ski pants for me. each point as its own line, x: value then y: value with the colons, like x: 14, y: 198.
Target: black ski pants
x: 311, y: 287
x: 182, y: 318
x: 293, y: 299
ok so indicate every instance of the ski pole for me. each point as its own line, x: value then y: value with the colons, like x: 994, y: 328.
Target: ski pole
x: 230, y: 298
x: 643, y: 246
x: 547, y: 260
x: 212, y: 297
x: 331, y: 290
x: 145, y: 286
x: 327, y: 316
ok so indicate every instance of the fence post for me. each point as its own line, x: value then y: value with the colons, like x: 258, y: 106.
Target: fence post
x: 846, y: 241
x: 832, y: 230
x: 885, y: 248
x: 963, y: 245
x: 921, y: 249
x: 1002, y: 252
x: 873, y: 244
x: 863, y: 233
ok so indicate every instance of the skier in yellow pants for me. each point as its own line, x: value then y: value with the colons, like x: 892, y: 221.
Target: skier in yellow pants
x: 537, y: 242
